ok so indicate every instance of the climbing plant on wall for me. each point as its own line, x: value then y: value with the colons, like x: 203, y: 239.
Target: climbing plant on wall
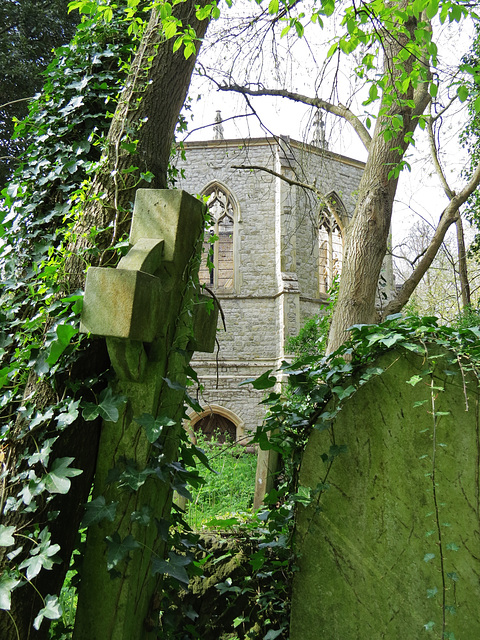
x: 68, y: 207
x: 64, y: 130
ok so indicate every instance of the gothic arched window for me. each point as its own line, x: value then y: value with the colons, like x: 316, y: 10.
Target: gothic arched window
x: 218, y: 259
x: 330, y: 245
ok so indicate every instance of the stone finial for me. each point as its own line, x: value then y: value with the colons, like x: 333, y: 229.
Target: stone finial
x: 319, y: 139
x: 218, y: 128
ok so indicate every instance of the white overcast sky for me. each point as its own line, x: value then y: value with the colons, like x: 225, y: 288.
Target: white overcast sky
x: 420, y: 191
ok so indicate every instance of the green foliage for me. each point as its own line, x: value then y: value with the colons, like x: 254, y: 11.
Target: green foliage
x: 62, y: 627
x: 173, y: 27
x: 361, y: 32
x: 313, y: 336
x: 229, y: 484
x: 240, y: 579
x: 63, y: 135
x: 321, y: 385
x: 31, y: 29
x: 469, y: 317
x: 470, y: 135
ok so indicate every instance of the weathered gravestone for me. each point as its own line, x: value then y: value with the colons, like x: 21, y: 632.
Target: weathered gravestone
x: 393, y: 545
x: 153, y: 318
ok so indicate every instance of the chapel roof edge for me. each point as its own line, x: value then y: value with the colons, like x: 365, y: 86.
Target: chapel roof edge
x: 296, y: 144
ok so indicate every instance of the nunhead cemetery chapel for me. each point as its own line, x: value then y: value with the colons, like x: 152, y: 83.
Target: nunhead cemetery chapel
x: 277, y: 253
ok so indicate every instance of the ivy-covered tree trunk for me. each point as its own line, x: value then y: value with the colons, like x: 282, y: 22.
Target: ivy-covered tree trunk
x: 139, y: 141
x: 138, y: 151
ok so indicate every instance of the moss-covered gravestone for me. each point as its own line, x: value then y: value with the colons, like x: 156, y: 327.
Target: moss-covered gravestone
x: 390, y: 546
x: 153, y: 318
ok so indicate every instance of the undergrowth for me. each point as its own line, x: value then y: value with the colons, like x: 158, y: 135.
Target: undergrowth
x: 228, y: 486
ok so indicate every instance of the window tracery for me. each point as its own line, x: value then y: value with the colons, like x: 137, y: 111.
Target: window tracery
x: 217, y: 269
x: 330, y: 250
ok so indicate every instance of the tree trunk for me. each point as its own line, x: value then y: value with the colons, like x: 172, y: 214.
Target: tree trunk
x: 366, y: 236
x: 154, y: 94
x: 148, y: 111
x: 462, y: 264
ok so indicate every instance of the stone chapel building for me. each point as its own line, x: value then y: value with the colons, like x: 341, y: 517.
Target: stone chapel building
x: 277, y: 252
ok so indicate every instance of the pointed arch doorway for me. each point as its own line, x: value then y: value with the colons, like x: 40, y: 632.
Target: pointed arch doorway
x: 217, y: 418
x: 216, y: 427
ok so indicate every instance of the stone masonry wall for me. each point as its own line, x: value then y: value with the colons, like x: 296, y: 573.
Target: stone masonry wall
x: 276, y: 271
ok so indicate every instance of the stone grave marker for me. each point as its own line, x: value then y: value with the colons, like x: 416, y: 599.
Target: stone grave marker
x: 390, y: 545
x: 153, y: 318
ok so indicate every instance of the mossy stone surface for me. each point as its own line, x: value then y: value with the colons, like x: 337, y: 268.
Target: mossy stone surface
x: 369, y: 552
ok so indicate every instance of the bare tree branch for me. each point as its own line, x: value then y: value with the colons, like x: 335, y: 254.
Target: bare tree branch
x: 339, y: 110
x: 448, y: 217
x: 436, y: 161
x: 339, y: 218
x: 444, y: 109
x: 462, y: 259
x: 212, y: 124
x: 7, y: 104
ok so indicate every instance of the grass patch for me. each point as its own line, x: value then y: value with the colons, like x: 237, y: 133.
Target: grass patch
x: 228, y: 489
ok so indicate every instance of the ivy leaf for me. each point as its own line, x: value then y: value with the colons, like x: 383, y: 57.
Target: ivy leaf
x: 431, y: 593
x: 7, y: 585
x: 193, y: 403
x: 336, y: 450
x: 414, y: 380
x: 451, y: 546
x: 133, y: 477
x: 342, y: 393
x: 143, y: 516
x: 154, y: 426
x: 90, y: 411
x: 70, y: 415
x: 97, y: 510
x: 428, y: 556
x: 43, y: 454
x: 41, y: 557
x: 182, y: 489
x: 174, y: 566
x: 392, y: 339
x: 40, y: 418
x: 109, y: 405
x: 57, y: 480
x: 118, y: 549
x: 64, y: 332
x: 303, y: 495
x: 52, y: 611
x: 265, y: 381
x: 201, y: 455
x: 273, y: 633
x: 6, y: 536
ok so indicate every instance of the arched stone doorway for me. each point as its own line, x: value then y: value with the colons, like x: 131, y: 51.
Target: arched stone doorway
x: 216, y: 427
x: 217, y: 419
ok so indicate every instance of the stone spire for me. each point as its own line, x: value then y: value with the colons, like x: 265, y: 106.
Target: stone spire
x: 218, y: 128
x: 319, y: 139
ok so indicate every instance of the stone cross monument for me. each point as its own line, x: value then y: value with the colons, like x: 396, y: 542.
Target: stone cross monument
x: 153, y: 317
